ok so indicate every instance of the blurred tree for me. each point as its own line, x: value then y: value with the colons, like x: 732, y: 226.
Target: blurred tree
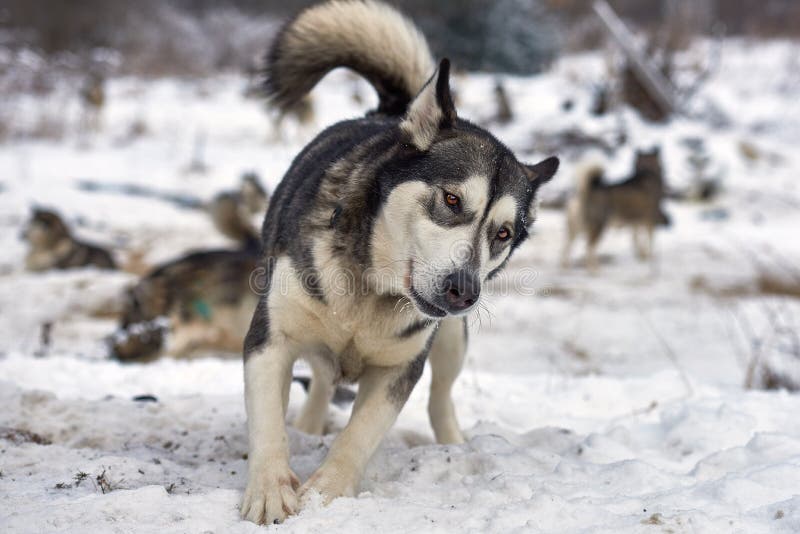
x: 57, y: 26
x: 522, y: 36
x: 516, y: 36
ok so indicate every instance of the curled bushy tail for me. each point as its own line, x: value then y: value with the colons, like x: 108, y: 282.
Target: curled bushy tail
x: 587, y: 176
x: 371, y: 38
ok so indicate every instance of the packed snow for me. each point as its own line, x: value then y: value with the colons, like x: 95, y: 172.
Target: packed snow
x: 613, y: 402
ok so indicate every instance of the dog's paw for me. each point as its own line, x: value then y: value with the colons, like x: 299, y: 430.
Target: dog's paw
x: 270, y: 496
x: 328, y: 483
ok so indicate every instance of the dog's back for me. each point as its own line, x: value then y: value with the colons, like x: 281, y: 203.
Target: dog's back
x: 85, y: 254
x: 637, y: 200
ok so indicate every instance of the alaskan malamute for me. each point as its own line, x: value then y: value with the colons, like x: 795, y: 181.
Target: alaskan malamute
x: 376, y: 245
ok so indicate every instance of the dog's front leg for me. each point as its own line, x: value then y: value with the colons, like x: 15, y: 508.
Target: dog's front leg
x: 382, y: 392
x: 270, y: 495
x: 446, y: 359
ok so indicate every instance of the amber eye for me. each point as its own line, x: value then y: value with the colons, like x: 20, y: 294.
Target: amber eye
x: 451, y: 200
x: 503, y: 234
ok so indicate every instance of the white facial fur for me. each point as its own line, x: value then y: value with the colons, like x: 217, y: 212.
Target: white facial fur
x: 406, y: 240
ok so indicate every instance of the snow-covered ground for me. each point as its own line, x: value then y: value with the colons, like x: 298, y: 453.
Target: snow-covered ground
x: 593, y: 403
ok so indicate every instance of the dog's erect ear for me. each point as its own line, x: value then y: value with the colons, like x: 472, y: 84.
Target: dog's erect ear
x: 539, y: 174
x: 543, y: 171
x: 431, y: 110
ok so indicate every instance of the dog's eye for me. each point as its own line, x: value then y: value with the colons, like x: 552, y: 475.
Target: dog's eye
x: 503, y: 234
x: 451, y: 200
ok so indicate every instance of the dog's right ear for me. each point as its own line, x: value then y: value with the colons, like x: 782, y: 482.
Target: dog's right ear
x: 431, y: 110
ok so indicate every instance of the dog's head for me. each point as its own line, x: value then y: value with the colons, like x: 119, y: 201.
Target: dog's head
x: 456, y: 203
x: 649, y: 161
x: 45, y: 228
x: 253, y: 194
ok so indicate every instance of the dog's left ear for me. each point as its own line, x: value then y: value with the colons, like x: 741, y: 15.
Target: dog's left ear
x: 431, y: 110
x: 542, y: 172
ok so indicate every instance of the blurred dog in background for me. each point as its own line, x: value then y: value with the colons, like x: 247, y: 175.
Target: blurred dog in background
x: 302, y: 111
x: 93, y: 100
x: 201, y: 301
x: 52, y: 246
x: 634, y: 203
x: 232, y: 211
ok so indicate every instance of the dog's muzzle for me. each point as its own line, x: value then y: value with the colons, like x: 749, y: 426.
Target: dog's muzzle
x: 459, y: 291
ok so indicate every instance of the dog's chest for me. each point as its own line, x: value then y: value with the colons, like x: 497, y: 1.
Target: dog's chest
x: 354, y: 338
x: 373, y: 339
x: 353, y: 331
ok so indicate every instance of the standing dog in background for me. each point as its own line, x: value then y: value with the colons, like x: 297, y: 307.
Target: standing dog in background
x: 376, y: 245
x: 633, y: 203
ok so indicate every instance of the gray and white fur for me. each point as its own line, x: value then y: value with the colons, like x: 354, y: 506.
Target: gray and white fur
x: 376, y: 245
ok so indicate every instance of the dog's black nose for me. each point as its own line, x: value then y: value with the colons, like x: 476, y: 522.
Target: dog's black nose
x: 461, y: 290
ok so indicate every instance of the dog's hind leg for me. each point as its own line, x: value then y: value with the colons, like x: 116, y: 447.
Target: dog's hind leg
x: 638, y: 246
x: 650, y: 242
x: 591, y: 251
x: 572, y: 232
x: 314, y: 415
x: 446, y: 357
x: 270, y: 495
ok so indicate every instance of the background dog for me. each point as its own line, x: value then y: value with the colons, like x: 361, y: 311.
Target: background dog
x: 202, y: 300
x: 52, y: 246
x: 232, y: 211
x: 376, y: 245
x: 633, y: 203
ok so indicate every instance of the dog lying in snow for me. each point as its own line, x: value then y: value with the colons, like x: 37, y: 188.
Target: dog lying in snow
x: 52, y: 246
x: 202, y: 299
